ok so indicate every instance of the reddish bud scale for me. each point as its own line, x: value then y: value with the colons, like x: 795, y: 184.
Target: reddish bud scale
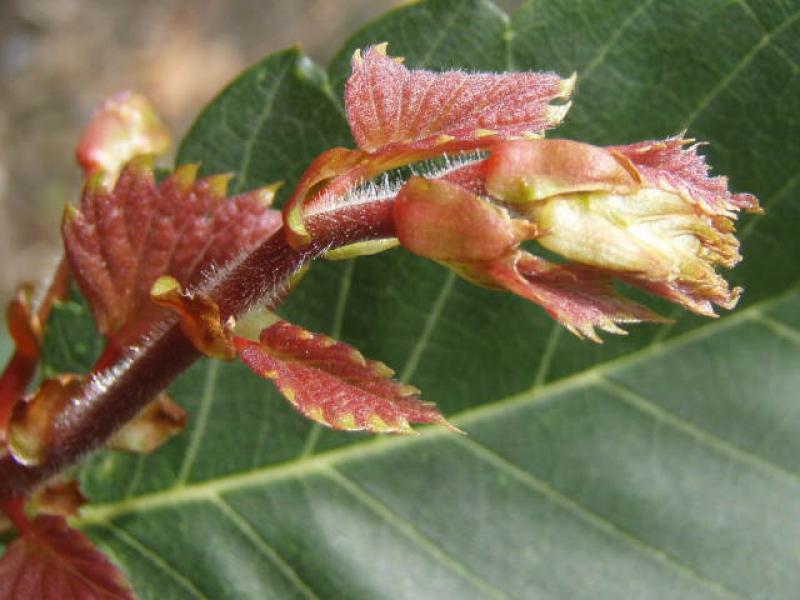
x: 32, y: 422
x: 200, y: 318
x: 25, y: 323
x: 59, y: 497
x: 445, y: 222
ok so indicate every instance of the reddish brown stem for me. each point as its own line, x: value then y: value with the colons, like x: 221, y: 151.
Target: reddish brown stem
x: 118, y: 394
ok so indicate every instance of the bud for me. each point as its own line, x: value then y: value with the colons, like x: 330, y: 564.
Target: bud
x: 662, y: 224
x: 647, y: 214
x: 125, y: 125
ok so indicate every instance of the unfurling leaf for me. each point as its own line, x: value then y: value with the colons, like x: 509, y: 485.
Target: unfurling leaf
x: 670, y: 164
x: 126, y: 125
x: 159, y: 421
x: 51, y: 560
x: 333, y: 384
x: 389, y: 104
x: 579, y: 297
x: 400, y: 116
x: 120, y: 241
x: 646, y: 214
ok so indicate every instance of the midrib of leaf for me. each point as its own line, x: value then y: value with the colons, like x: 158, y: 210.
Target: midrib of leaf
x: 209, y: 490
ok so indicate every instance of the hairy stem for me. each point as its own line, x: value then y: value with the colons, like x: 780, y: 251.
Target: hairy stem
x: 113, y: 397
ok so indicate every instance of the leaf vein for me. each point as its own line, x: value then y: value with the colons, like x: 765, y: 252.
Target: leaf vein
x: 411, y: 532
x: 649, y: 407
x: 778, y: 327
x: 200, y: 427
x: 427, y: 329
x: 762, y: 44
x: 589, y: 516
x: 242, y: 524
x: 602, y: 53
x: 154, y: 559
x: 256, y: 131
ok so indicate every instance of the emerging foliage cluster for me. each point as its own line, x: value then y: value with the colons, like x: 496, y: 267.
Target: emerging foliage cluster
x: 665, y: 463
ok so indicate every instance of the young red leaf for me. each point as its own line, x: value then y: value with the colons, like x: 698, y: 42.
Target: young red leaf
x: 580, y: 298
x: 389, y: 104
x: 53, y: 561
x: 120, y: 241
x: 333, y: 384
x: 670, y: 164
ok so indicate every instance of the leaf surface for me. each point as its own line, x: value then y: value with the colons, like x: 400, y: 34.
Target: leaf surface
x: 665, y: 464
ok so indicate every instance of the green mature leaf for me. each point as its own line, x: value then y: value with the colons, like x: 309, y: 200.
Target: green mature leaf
x: 661, y: 465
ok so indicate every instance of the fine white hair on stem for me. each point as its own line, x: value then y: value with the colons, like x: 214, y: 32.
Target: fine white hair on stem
x: 388, y: 184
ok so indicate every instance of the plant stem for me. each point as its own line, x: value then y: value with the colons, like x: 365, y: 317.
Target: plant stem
x: 112, y: 397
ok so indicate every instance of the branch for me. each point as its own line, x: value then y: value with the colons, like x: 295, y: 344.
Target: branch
x: 112, y: 397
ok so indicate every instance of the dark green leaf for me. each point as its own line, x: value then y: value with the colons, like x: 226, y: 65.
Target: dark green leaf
x: 71, y: 343
x: 268, y: 124
x: 661, y: 465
